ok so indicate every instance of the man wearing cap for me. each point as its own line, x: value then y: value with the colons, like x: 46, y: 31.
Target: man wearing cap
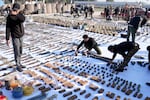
x: 89, y: 43
x: 15, y: 30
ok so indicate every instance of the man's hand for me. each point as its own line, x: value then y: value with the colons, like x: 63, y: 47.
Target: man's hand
x: 85, y: 53
x: 110, y: 62
x: 7, y: 42
x: 76, y: 53
x: 88, y: 51
x: 14, y: 12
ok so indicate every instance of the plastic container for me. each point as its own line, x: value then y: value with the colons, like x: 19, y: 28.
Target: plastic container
x: 14, y: 84
x: 2, y: 97
x: 17, y: 92
x: 27, y: 90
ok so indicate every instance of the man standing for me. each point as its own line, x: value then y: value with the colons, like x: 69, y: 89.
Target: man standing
x: 86, y: 11
x: 90, y: 44
x: 133, y: 26
x: 91, y: 11
x: 15, y: 29
x: 148, y: 49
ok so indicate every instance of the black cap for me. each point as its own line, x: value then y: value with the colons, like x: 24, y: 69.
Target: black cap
x: 85, y: 36
x: 16, y: 6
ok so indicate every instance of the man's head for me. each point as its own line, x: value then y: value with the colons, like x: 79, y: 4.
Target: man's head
x: 15, y: 7
x: 111, y: 48
x: 85, y: 38
x: 8, y: 6
x: 148, y: 48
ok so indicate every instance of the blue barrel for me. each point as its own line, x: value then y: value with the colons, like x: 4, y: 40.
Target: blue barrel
x: 17, y: 92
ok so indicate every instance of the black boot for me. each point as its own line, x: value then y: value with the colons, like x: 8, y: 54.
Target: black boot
x: 148, y: 84
x: 22, y: 66
x: 19, y: 69
x: 119, y: 69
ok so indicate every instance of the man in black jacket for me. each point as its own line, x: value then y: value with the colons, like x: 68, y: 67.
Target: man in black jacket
x: 123, y: 49
x: 148, y: 49
x: 91, y: 11
x: 15, y: 29
x: 89, y: 43
x: 134, y: 24
x: 86, y: 11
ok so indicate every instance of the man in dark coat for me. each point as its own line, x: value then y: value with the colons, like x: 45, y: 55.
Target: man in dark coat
x: 122, y: 49
x: 86, y: 11
x: 127, y: 50
x: 90, y: 44
x: 91, y: 11
x: 148, y: 49
x: 132, y: 27
x: 15, y: 29
x: 134, y: 24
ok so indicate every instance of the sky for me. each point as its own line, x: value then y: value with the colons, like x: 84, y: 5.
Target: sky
x: 144, y: 1
x: 1, y: 3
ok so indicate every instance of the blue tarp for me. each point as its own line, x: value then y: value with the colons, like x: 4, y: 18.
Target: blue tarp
x: 1, y: 3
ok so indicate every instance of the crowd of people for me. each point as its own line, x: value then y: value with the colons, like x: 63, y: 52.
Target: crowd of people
x: 125, y: 12
x: 79, y: 10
